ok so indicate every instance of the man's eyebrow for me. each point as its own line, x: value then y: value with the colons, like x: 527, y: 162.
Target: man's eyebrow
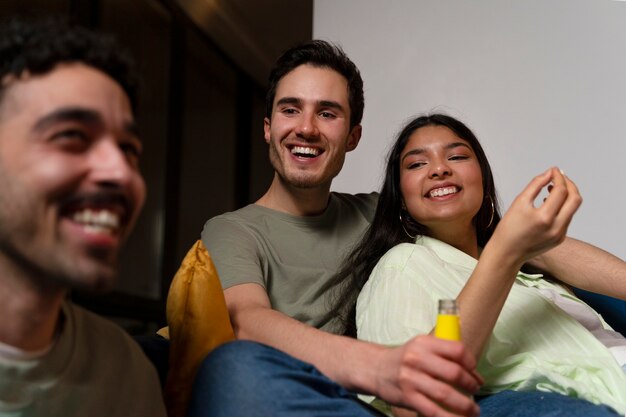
x: 322, y: 103
x: 330, y: 104
x: 80, y: 115
x: 450, y: 145
x: 288, y: 100
x: 68, y: 114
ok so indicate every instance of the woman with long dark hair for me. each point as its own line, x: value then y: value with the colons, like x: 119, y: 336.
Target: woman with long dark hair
x: 437, y: 233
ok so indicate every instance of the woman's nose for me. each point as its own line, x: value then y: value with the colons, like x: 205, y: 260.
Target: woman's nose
x: 439, y: 169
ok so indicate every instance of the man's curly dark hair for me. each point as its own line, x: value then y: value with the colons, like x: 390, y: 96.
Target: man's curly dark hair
x: 37, y: 45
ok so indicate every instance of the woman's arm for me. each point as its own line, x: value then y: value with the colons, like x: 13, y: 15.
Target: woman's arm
x: 523, y: 232
x: 585, y: 266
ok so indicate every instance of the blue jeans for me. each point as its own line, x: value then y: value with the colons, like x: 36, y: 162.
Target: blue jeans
x: 247, y: 379
x: 540, y: 404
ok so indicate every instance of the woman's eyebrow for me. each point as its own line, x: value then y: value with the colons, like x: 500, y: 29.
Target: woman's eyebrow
x: 415, y: 151
x: 418, y: 151
x: 457, y: 144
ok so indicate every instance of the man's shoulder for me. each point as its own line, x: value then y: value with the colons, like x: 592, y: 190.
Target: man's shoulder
x: 245, y: 231
x: 95, y: 331
x: 245, y: 213
x: 365, y: 198
x: 108, y: 361
x: 363, y: 202
x: 110, y: 349
x: 237, y: 222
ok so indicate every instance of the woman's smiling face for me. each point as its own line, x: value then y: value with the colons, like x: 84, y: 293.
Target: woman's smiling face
x: 440, y: 178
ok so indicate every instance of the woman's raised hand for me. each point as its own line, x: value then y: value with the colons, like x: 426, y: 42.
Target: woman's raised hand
x: 527, y: 230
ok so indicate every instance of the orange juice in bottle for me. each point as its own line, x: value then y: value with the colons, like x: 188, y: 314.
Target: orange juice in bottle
x: 448, y: 326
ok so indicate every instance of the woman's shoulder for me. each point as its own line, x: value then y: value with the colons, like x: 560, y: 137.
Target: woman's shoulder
x: 405, y: 267
x: 406, y: 255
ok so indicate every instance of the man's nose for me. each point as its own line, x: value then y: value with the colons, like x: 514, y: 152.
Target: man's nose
x: 110, y: 165
x: 307, y: 126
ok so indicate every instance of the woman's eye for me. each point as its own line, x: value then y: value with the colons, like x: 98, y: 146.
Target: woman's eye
x: 458, y: 157
x: 414, y: 165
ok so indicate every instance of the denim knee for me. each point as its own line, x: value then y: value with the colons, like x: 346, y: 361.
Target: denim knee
x: 250, y: 379
x: 231, y: 361
x: 537, y: 403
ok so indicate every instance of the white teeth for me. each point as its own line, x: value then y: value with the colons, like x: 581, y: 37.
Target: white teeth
x: 304, y: 150
x: 440, y: 192
x: 101, y: 221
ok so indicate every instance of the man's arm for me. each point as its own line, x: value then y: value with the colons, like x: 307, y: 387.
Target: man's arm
x: 424, y: 374
x: 585, y: 266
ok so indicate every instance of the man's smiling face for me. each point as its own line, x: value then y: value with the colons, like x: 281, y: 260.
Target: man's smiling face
x: 69, y: 175
x: 309, y: 132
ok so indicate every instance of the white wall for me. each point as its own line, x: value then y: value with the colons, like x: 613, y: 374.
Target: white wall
x: 541, y: 83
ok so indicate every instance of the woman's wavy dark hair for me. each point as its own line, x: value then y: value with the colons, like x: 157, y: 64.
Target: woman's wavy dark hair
x: 386, y: 231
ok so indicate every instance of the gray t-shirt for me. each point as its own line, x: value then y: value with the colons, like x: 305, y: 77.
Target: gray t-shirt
x: 94, y: 369
x: 292, y: 257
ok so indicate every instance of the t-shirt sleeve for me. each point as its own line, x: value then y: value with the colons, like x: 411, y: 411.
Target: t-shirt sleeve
x: 397, y: 302
x: 234, y: 252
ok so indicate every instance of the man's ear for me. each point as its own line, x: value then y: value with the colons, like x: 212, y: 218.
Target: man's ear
x: 353, y: 138
x: 266, y: 129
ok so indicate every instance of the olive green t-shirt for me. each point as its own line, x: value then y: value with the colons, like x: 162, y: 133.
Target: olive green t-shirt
x: 292, y: 257
x: 93, y: 369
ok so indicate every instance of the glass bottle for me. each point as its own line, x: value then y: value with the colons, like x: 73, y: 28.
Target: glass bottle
x: 448, y: 326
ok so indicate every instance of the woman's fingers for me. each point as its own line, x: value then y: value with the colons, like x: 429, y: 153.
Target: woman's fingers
x: 559, y: 207
x: 558, y: 195
x: 533, y: 229
x: 571, y: 205
x: 532, y: 190
x: 563, y: 199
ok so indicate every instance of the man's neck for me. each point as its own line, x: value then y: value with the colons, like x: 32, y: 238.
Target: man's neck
x: 30, y: 314
x: 294, y: 200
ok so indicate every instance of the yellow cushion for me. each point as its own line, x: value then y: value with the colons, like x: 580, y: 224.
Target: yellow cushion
x: 198, y: 322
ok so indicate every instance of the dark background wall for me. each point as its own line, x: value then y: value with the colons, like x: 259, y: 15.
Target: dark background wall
x: 200, y: 114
